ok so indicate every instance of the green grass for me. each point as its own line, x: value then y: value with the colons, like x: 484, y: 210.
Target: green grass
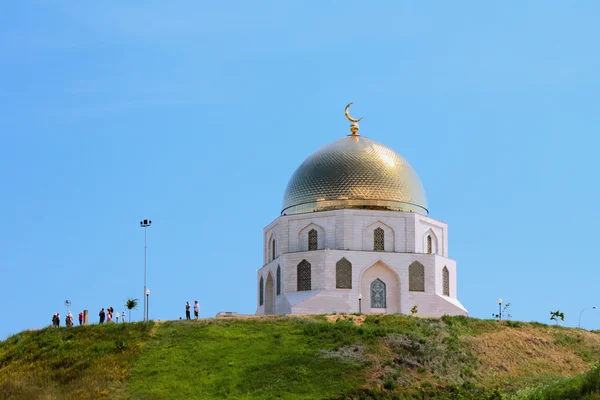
x: 241, y: 359
x: 387, y: 357
x: 581, y: 387
x: 83, y: 362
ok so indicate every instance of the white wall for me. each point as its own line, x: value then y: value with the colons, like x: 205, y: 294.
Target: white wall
x: 349, y: 233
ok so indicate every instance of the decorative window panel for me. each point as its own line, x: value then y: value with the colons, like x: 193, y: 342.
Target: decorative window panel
x: 313, y: 242
x: 378, y: 239
x: 343, y: 274
x: 278, y: 279
x: 378, y: 294
x: 261, y: 292
x: 416, y: 277
x: 273, y: 249
x: 429, y: 244
x: 304, y: 276
x: 446, y: 281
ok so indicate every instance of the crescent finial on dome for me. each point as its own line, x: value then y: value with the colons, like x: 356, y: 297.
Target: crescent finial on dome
x: 354, y: 127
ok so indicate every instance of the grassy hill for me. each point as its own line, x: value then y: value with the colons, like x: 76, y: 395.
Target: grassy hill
x: 320, y: 357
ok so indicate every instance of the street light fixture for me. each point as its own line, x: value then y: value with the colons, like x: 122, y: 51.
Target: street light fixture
x: 593, y: 308
x: 144, y: 224
x: 500, y: 308
x: 147, y: 303
x: 359, y: 303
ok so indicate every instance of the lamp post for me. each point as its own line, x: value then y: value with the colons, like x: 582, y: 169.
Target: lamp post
x: 359, y: 303
x: 500, y: 309
x: 593, y: 308
x: 147, y: 304
x: 144, y: 224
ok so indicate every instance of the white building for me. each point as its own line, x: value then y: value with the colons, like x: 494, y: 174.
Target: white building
x: 354, y: 235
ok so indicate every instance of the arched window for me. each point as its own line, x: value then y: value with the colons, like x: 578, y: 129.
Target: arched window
x: 278, y: 279
x: 416, y: 277
x: 429, y: 244
x: 343, y: 274
x: 378, y: 294
x: 446, y: 281
x: 261, y: 292
x: 303, y: 275
x: 378, y: 240
x: 273, y: 249
x: 313, y: 242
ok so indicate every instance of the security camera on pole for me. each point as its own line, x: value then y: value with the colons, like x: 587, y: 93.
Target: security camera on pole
x: 144, y: 224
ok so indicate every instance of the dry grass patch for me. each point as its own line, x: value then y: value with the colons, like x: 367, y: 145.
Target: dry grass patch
x: 512, y: 353
x: 355, y: 319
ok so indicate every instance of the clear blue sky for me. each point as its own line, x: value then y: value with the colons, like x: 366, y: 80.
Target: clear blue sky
x: 195, y: 115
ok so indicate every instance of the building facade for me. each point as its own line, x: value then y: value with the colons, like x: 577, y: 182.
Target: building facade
x: 354, y: 236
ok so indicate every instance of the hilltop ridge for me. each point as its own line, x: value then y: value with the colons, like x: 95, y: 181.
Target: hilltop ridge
x: 302, y: 357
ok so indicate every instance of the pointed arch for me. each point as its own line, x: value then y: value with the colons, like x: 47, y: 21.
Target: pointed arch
x: 446, y: 281
x: 271, y: 248
x: 416, y: 277
x: 343, y: 274
x: 261, y: 292
x: 379, y: 239
x: 309, y: 240
x: 313, y: 239
x: 303, y: 276
x: 430, y: 242
x: 269, y: 297
x: 378, y: 236
x: 388, y: 275
x: 278, y: 280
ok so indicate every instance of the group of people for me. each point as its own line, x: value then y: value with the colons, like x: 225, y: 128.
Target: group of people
x: 108, y: 315
x: 196, y: 309
x: 68, y: 320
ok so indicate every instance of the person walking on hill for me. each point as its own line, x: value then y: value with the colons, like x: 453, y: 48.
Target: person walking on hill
x: 196, y: 309
x: 187, y: 310
x: 102, y: 315
x: 81, y: 318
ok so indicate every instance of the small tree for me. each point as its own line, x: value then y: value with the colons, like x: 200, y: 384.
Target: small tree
x: 556, y: 315
x: 505, y: 312
x: 131, y: 304
x: 414, y: 310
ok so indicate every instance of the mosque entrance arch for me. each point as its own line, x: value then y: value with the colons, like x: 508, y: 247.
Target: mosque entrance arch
x: 269, y: 296
x: 380, y: 288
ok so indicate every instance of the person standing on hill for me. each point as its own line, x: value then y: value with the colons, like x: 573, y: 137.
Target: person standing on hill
x: 196, y: 309
x: 123, y: 316
x: 57, y: 319
x: 187, y: 310
x: 102, y: 315
x: 81, y: 318
x: 54, y: 320
x: 117, y: 315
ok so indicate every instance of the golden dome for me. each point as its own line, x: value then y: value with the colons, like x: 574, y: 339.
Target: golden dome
x: 354, y: 172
